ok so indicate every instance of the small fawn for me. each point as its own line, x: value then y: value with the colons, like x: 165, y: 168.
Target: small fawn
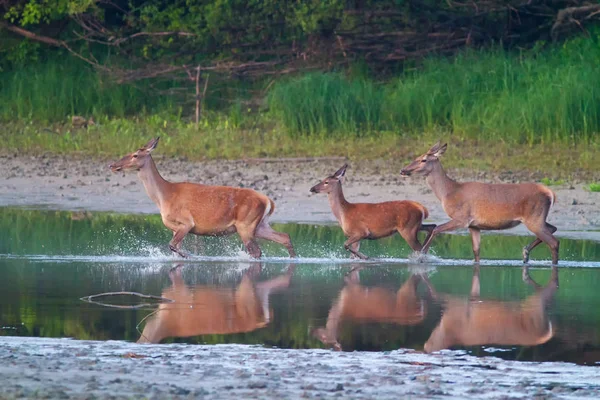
x: 367, y: 304
x: 373, y: 220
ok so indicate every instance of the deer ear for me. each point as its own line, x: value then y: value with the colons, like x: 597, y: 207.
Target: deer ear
x: 440, y: 150
x: 433, y: 149
x: 151, y: 145
x: 340, y: 172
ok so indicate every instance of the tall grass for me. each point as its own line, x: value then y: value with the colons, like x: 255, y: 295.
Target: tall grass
x: 56, y: 89
x: 537, y: 96
x: 529, y: 97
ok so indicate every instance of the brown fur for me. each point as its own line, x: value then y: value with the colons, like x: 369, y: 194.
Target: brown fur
x: 361, y: 304
x: 484, y: 206
x: 373, y: 220
x: 205, y: 210
x: 205, y: 310
x: 472, y: 322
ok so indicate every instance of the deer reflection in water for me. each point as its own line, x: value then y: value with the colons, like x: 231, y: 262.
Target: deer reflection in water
x: 362, y: 304
x: 202, y: 309
x: 473, y: 322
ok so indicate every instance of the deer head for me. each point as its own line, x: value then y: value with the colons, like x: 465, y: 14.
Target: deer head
x: 136, y: 160
x: 331, y: 182
x: 423, y: 165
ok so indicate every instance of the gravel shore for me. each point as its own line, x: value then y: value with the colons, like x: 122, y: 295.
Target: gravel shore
x: 72, y: 369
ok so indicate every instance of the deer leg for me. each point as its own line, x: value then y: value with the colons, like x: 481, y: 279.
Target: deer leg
x: 527, y: 278
x: 429, y: 229
x: 432, y: 292
x: 264, y: 231
x: 264, y: 289
x: 355, y: 248
x: 247, y: 235
x: 475, y: 284
x: 448, y: 226
x: 178, y: 235
x: 353, y: 276
x: 545, y: 234
x: 328, y: 334
x: 527, y: 249
x: 350, y: 246
x: 175, y: 275
x: 475, y: 239
x: 410, y: 236
x: 253, y: 248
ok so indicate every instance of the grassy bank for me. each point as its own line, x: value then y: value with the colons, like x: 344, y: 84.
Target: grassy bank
x: 538, y: 96
x: 538, y: 110
x: 113, y: 138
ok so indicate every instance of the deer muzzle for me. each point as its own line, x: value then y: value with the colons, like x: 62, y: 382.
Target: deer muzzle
x: 114, y: 168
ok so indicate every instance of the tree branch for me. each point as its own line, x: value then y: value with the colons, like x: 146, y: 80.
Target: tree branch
x: 31, y: 35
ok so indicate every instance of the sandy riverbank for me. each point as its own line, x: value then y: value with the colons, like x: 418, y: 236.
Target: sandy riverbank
x: 54, y: 182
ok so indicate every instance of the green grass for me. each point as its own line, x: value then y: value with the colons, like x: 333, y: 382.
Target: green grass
x: 594, y: 187
x: 552, y: 182
x: 57, y: 89
x: 218, y: 138
x: 530, y: 98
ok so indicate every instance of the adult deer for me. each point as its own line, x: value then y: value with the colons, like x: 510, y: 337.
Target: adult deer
x: 361, y: 304
x: 373, y: 220
x: 206, y: 310
x: 486, y: 206
x: 202, y: 209
x: 473, y: 322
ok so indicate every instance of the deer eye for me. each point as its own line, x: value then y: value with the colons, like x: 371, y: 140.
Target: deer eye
x: 135, y: 156
x: 423, y: 160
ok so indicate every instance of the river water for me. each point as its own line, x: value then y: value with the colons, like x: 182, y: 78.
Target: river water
x: 51, y: 262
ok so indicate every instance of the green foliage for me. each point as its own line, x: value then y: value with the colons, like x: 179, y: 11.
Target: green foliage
x: 33, y: 12
x: 594, y: 187
x: 552, y: 182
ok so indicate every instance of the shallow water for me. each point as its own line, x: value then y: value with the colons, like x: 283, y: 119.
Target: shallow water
x: 49, y: 260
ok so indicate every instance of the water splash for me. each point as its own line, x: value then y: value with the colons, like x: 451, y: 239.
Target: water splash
x: 159, y: 257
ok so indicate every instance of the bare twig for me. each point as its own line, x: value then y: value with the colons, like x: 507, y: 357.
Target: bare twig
x: 197, y: 96
x: 31, y: 35
x: 153, y: 34
x: 91, y: 299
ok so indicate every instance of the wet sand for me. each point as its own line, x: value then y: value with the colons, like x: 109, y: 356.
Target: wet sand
x: 53, y: 182
x: 71, y: 369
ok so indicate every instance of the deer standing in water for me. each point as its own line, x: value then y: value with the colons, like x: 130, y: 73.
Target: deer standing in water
x: 486, y: 206
x: 206, y: 310
x: 373, y: 220
x: 202, y: 209
x: 362, y: 304
x: 473, y: 322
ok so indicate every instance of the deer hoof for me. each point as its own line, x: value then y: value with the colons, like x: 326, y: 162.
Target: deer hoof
x: 177, y: 251
x: 525, y: 255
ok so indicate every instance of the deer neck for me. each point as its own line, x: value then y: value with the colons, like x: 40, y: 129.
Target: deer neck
x: 337, y: 202
x: 156, y: 187
x: 440, y: 183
